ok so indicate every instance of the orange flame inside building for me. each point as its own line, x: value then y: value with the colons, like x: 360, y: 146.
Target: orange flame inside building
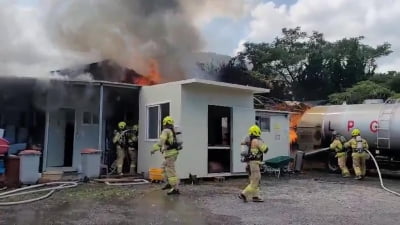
x: 153, y: 76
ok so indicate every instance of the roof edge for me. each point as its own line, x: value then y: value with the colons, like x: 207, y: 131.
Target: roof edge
x: 224, y: 84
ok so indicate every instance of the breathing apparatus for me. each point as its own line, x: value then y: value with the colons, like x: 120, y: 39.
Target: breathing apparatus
x: 359, y: 147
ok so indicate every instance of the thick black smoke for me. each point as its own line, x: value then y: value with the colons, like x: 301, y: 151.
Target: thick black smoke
x: 128, y: 32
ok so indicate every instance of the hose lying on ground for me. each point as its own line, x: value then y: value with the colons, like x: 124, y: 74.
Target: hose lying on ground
x: 135, y: 181
x: 380, y: 176
x: 16, y: 192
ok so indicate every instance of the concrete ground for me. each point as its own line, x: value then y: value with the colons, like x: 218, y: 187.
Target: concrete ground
x: 312, y: 198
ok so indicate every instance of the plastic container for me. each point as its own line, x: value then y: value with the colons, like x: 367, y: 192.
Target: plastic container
x: 299, y: 161
x: 91, y: 162
x: 4, y: 146
x: 29, y: 166
x: 12, y: 172
x: 156, y: 174
x: 279, y: 161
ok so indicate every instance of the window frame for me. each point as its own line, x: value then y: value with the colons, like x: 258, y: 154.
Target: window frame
x: 159, y: 119
x: 263, y: 115
x: 91, y: 119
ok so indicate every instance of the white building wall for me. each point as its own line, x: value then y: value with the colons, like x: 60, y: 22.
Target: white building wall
x: 277, y: 138
x: 195, y: 100
x: 150, y: 95
x: 189, y: 108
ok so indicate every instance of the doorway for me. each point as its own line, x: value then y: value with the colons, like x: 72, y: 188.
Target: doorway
x: 219, y: 139
x: 61, y: 138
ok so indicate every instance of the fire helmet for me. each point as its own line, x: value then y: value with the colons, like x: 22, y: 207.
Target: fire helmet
x: 121, y: 125
x: 355, y: 132
x: 255, y: 131
x: 168, y: 121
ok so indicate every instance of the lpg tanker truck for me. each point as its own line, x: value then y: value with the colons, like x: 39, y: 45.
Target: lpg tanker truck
x: 379, y: 125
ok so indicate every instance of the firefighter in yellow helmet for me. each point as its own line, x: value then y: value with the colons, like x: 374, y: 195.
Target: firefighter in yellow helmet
x: 120, y: 143
x: 131, y: 136
x: 341, y: 155
x: 167, y: 147
x: 359, y: 156
x: 253, y: 156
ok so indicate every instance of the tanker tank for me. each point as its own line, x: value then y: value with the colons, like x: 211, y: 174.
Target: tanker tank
x: 379, y: 125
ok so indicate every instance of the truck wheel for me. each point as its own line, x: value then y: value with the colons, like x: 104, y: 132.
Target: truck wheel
x: 333, y: 166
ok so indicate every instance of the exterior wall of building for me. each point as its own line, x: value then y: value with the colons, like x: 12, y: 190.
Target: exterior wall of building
x: 277, y: 136
x: 195, y: 101
x: 82, y: 100
x: 153, y: 96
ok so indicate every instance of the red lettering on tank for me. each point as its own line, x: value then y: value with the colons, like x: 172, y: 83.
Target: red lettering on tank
x: 373, y: 126
x: 350, y: 124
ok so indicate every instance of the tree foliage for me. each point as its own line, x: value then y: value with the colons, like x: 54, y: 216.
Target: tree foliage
x: 360, y: 92
x: 310, y: 66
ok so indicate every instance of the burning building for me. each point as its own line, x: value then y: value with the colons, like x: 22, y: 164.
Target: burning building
x: 66, y: 114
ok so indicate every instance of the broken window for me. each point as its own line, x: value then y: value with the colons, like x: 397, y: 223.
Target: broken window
x: 156, y: 113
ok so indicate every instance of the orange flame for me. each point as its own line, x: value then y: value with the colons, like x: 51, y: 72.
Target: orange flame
x: 153, y: 77
x: 294, y: 120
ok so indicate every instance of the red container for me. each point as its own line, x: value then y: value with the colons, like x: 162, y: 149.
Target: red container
x: 4, y: 146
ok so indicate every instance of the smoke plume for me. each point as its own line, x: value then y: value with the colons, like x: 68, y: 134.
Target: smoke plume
x: 58, y: 34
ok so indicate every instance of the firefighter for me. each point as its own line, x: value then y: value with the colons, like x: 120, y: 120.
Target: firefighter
x: 167, y: 147
x: 359, y: 156
x: 120, y: 144
x: 131, y: 136
x: 256, y: 149
x: 341, y: 155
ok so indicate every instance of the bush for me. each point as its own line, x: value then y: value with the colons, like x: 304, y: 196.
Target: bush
x: 361, y: 91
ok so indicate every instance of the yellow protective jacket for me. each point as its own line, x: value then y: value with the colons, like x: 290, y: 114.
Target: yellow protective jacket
x: 119, y: 138
x: 257, y: 149
x: 132, y: 137
x: 352, y: 143
x: 336, y: 145
x: 166, y: 138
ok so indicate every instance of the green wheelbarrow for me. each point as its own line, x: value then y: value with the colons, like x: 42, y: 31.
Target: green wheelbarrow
x: 277, y: 164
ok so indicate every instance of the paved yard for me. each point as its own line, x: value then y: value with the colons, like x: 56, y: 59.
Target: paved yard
x: 313, y: 198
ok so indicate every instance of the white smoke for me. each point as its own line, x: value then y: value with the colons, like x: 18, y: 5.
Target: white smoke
x: 58, y: 34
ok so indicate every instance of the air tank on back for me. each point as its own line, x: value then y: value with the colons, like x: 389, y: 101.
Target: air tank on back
x: 379, y: 123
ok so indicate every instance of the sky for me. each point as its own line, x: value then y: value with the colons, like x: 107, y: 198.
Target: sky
x: 263, y: 20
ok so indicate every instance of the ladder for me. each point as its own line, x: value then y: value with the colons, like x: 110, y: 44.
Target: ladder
x: 384, y: 122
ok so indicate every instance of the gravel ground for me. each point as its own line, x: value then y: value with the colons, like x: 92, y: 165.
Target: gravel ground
x: 313, y: 198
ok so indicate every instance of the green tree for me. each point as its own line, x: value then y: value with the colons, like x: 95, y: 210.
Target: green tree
x: 360, y: 92
x: 309, y: 62
x: 395, y: 96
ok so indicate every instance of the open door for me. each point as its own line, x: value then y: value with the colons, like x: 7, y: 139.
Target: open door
x: 219, y: 139
x: 242, y: 119
x: 61, y: 138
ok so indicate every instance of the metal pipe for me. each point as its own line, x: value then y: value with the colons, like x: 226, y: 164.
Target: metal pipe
x: 101, y: 116
x: 46, y: 140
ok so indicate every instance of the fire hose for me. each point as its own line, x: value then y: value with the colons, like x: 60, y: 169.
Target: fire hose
x: 373, y: 159
x: 380, y: 176
x: 51, y: 190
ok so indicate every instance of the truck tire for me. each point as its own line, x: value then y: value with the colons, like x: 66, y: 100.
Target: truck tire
x: 332, y: 164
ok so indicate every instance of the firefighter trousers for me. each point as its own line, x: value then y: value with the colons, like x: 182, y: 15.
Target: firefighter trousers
x: 253, y: 189
x: 170, y: 172
x: 133, y: 159
x: 359, y: 165
x: 342, y: 157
